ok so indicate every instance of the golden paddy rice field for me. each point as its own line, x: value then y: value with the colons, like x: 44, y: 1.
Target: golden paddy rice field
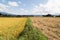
x: 11, y: 27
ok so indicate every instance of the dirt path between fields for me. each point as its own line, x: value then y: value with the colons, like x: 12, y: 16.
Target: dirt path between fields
x: 49, y: 26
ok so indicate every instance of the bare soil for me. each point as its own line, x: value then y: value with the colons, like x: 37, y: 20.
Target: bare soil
x: 50, y: 26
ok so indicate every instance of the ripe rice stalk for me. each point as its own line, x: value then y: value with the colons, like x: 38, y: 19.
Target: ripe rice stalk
x: 10, y: 28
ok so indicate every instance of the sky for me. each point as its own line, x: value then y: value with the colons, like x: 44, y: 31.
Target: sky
x: 30, y: 7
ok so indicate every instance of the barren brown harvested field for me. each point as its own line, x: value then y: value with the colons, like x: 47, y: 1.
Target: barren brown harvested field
x: 50, y: 26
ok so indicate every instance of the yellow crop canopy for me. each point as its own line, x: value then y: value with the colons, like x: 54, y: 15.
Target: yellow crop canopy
x: 11, y: 27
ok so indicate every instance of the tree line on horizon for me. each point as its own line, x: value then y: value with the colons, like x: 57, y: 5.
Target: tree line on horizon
x: 8, y: 15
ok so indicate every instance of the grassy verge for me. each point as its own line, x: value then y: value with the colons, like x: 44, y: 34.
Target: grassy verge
x: 31, y: 33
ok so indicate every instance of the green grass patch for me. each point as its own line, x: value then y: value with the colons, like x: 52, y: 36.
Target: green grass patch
x: 31, y: 33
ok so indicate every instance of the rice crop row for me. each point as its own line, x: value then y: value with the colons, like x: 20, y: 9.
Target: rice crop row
x: 10, y: 28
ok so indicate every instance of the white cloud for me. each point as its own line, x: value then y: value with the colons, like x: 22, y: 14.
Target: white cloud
x: 22, y: 12
x: 13, y: 3
x: 5, y: 8
x: 52, y: 7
